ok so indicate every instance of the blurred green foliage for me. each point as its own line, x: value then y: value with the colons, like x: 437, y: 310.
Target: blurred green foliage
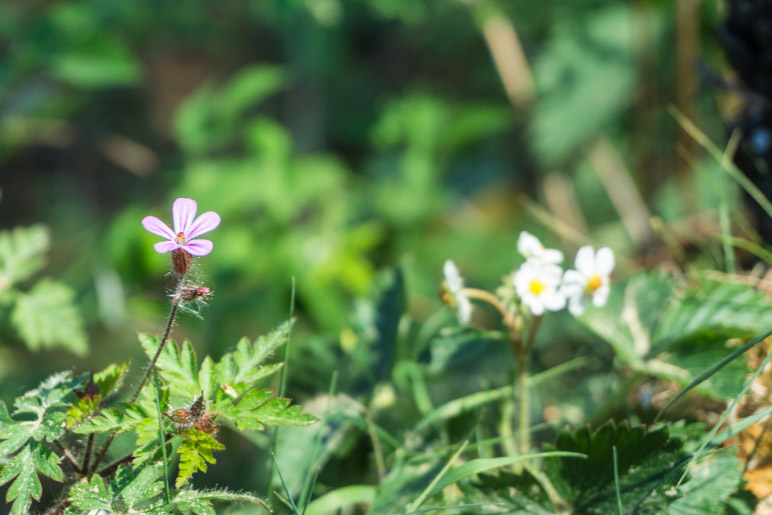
x: 350, y: 147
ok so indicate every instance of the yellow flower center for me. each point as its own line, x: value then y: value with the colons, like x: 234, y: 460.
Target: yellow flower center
x: 537, y: 287
x: 181, y: 238
x: 594, y: 283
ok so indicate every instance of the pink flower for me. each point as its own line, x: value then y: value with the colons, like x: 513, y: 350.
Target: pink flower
x: 186, y: 227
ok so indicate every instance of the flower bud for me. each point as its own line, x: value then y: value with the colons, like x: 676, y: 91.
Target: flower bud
x: 181, y: 261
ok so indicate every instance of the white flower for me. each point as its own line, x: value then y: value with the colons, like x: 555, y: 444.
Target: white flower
x: 537, y: 284
x: 454, y: 286
x: 530, y: 247
x: 590, y: 280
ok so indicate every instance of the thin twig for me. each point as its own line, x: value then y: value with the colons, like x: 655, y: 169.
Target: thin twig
x: 68, y: 456
x: 87, y: 454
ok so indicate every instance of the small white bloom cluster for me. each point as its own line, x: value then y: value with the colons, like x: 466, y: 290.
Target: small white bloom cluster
x: 542, y: 285
x: 540, y: 282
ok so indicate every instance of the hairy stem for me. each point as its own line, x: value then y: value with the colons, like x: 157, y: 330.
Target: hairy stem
x: 87, y: 454
x: 474, y: 293
x: 150, y: 366
x: 522, y: 387
x: 68, y: 456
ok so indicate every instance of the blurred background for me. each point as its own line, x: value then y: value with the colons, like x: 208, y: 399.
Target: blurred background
x: 350, y: 146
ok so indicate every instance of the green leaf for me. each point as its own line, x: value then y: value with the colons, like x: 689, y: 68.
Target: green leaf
x: 473, y: 467
x: 110, y: 380
x: 713, y: 480
x: 200, y: 501
x: 138, y: 486
x: 244, y: 364
x: 178, y: 367
x: 14, y: 437
x: 92, y: 495
x: 47, y: 462
x: 46, y: 317
x: 24, y: 467
x: 259, y: 408
x: 195, y: 452
x: 21, y: 253
x: 678, y: 334
x: 115, y: 420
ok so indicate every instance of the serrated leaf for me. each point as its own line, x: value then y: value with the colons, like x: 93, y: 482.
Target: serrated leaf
x: 118, y: 420
x: 14, y: 437
x: 82, y: 410
x: 46, y: 317
x: 26, y: 486
x: 259, y: 408
x: 713, y: 480
x: 138, y: 486
x: 54, y: 392
x: 656, y: 328
x: 110, y: 380
x: 642, y: 457
x: 92, y: 495
x: 196, y: 451
x: 21, y: 253
x: 47, y: 462
x: 243, y: 364
x: 51, y: 427
x: 178, y: 367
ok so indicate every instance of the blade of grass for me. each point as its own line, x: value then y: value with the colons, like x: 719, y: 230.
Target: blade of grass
x: 458, y: 406
x: 741, y: 243
x: 337, y: 499
x: 616, y: 482
x: 285, y: 368
x: 482, y: 444
x: 289, y: 502
x: 709, y: 438
x: 712, y: 370
x: 430, y: 487
x: 306, y: 492
x: 472, y: 467
x: 717, y: 154
x: 739, y: 427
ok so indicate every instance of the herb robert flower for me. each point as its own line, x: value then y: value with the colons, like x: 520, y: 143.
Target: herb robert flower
x: 453, y: 293
x: 181, y: 242
x: 590, y: 281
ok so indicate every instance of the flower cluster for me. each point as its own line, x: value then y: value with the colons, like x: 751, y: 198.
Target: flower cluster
x: 540, y: 283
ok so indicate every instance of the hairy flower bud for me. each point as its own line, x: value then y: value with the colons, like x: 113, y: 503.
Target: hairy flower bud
x: 181, y: 261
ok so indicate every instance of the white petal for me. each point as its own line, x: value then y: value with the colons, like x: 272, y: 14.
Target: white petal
x: 553, y: 300
x: 464, y: 309
x: 534, y: 304
x: 551, y: 275
x: 604, y: 261
x: 452, y: 277
x: 552, y: 256
x: 574, y: 280
x: 600, y: 296
x: 585, y: 261
x: 576, y: 304
x: 529, y: 245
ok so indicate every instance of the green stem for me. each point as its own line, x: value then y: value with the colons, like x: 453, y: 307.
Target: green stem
x: 525, y: 407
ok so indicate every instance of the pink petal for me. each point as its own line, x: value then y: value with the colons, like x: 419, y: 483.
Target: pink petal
x: 183, y: 212
x: 199, y: 247
x: 204, y: 223
x: 156, y: 226
x: 163, y: 247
